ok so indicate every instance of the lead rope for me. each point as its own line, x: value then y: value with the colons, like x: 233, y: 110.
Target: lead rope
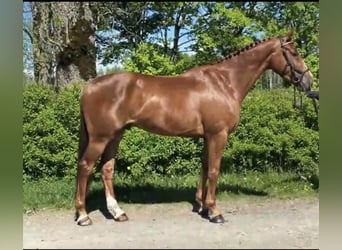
x: 301, y: 100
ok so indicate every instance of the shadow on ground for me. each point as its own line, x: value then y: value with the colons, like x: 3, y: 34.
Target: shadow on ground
x: 148, y: 194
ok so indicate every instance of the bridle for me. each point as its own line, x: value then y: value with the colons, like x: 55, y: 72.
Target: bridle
x: 294, y: 72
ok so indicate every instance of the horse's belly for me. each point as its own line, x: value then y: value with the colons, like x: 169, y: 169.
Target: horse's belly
x: 164, y: 124
x: 168, y: 116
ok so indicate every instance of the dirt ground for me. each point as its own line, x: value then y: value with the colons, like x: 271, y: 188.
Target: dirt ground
x: 252, y: 223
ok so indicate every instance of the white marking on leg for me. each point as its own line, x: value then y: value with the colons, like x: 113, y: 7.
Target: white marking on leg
x: 113, y: 207
x: 81, y: 217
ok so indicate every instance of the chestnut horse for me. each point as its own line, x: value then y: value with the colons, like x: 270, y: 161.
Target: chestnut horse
x: 205, y: 101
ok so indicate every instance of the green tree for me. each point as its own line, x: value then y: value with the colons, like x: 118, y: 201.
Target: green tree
x: 121, y: 27
x: 210, y: 30
x: 179, y: 16
x: 222, y: 27
x: 149, y: 59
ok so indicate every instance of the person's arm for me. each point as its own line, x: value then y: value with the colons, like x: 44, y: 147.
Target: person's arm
x: 313, y: 94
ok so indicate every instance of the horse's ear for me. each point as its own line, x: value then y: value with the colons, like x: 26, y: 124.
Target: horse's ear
x: 290, y: 35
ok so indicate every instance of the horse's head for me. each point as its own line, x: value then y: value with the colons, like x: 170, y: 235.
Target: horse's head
x: 287, y: 62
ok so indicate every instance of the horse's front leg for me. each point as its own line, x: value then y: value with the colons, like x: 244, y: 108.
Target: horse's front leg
x: 216, y: 144
x: 201, y: 188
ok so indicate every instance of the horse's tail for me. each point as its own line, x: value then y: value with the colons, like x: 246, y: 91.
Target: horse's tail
x: 83, y: 136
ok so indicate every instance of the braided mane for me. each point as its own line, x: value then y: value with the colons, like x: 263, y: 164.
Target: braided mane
x: 246, y: 48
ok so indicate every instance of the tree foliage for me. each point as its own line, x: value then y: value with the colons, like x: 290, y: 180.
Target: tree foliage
x: 206, y: 30
x: 122, y: 26
x: 149, y: 59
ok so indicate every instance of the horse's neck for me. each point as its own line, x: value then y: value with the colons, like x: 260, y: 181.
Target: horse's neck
x: 243, y: 70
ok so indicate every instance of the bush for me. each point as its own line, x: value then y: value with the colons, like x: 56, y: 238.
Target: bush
x: 143, y: 153
x: 50, y: 131
x: 271, y: 136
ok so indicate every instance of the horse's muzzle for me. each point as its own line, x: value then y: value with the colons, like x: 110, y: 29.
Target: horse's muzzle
x: 306, y: 82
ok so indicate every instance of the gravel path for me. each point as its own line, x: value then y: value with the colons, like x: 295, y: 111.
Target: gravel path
x: 252, y: 223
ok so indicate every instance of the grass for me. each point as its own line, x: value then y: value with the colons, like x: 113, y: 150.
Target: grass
x: 53, y: 193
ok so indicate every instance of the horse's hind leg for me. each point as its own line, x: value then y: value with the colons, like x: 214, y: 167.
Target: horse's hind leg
x: 107, y: 165
x: 201, y: 188
x: 86, y: 163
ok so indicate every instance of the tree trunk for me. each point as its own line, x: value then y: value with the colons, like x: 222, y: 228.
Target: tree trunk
x: 177, y: 27
x: 78, y: 58
x: 43, y: 52
x: 64, y: 42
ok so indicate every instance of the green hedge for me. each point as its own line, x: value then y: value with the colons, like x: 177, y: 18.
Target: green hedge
x: 271, y: 136
x: 50, y: 131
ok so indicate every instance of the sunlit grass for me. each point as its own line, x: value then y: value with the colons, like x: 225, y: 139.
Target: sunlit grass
x: 52, y: 193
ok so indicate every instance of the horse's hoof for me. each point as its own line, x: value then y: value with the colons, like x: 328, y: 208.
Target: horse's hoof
x: 196, y: 208
x: 122, y: 218
x: 217, y: 219
x: 204, y: 213
x: 86, y: 221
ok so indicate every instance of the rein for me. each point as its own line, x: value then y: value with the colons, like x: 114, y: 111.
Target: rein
x: 295, y: 103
